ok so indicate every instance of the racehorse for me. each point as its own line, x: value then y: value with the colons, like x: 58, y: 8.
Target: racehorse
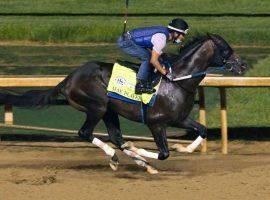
x: 86, y: 90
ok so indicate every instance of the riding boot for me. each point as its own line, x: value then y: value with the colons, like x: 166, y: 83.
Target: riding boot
x: 140, y: 87
x: 150, y: 88
x: 143, y: 87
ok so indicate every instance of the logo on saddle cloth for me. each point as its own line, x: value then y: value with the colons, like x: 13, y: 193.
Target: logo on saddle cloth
x: 122, y: 86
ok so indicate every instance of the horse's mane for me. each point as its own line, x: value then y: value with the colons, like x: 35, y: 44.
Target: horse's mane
x: 191, y: 45
x: 195, y: 40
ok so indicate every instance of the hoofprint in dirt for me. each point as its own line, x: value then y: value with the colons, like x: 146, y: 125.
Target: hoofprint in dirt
x: 47, y: 170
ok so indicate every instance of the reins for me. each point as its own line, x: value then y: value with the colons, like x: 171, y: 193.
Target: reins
x: 224, y: 64
x: 199, y: 73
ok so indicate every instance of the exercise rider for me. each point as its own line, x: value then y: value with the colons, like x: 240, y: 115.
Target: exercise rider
x: 138, y: 42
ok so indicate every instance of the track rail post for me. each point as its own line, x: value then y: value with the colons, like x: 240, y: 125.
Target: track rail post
x: 223, y: 118
x: 202, y: 113
x: 8, y: 119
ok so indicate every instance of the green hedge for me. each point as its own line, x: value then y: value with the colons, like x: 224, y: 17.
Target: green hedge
x: 136, y: 6
x: 239, y: 30
x: 246, y: 105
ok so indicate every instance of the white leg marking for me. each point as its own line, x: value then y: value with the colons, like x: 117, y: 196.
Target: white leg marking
x: 142, y: 152
x: 190, y: 148
x: 106, y: 148
x: 133, y: 155
x: 195, y: 144
x: 140, y: 161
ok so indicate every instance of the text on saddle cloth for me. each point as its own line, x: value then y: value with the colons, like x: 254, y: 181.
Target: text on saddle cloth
x: 122, y: 86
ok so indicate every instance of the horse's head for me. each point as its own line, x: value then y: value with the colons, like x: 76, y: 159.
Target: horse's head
x: 224, y: 55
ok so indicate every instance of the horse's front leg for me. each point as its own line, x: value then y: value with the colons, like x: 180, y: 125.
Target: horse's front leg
x: 159, y: 134
x: 160, y: 137
x: 139, y: 160
x: 142, y: 152
x: 199, y: 128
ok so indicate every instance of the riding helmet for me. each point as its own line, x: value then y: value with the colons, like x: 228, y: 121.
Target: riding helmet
x: 179, y: 25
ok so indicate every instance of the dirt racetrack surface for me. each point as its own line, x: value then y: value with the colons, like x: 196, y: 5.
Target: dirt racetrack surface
x: 77, y: 171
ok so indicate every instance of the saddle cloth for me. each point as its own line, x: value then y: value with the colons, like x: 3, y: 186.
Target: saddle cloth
x: 122, y: 86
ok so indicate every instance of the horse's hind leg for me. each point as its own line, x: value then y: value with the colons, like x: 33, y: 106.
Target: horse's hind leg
x: 86, y: 133
x: 111, y: 121
x: 112, y: 124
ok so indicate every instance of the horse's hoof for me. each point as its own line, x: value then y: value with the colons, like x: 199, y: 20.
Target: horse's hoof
x: 114, y: 162
x: 113, y: 165
x: 176, y: 146
x: 127, y: 145
x: 151, y: 170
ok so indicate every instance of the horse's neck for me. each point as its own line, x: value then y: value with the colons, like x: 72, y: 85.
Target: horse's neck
x: 196, y: 62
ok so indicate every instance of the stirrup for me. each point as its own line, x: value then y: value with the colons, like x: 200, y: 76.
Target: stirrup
x: 144, y: 90
x: 150, y: 90
x: 144, y: 87
x: 139, y: 90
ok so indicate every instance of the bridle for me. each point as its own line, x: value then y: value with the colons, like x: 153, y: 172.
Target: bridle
x: 222, y: 56
x: 220, y: 59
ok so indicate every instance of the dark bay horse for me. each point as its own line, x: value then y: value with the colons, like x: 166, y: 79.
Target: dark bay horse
x: 86, y: 90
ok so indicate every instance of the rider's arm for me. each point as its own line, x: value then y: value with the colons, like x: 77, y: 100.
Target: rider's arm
x: 154, y: 61
x: 159, y: 42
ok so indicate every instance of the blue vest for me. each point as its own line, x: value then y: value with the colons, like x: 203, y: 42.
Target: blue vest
x: 143, y: 36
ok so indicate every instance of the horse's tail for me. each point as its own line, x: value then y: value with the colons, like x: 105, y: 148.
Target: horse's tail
x: 34, y: 98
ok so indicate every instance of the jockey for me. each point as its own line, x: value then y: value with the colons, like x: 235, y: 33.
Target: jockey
x: 138, y: 42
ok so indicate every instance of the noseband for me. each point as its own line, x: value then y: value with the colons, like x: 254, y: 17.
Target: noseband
x: 222, y: 55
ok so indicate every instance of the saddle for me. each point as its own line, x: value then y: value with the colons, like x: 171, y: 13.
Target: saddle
x: 122, y: 85
x: 155, y: 76
x: 123, y: 80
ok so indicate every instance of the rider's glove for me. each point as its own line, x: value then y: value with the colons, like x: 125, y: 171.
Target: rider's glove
x: 169, y: 75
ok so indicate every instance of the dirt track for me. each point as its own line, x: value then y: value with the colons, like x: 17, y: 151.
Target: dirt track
x: 75, y: 171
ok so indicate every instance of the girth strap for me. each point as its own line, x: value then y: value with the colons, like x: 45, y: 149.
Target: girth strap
x: 143, y: 112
